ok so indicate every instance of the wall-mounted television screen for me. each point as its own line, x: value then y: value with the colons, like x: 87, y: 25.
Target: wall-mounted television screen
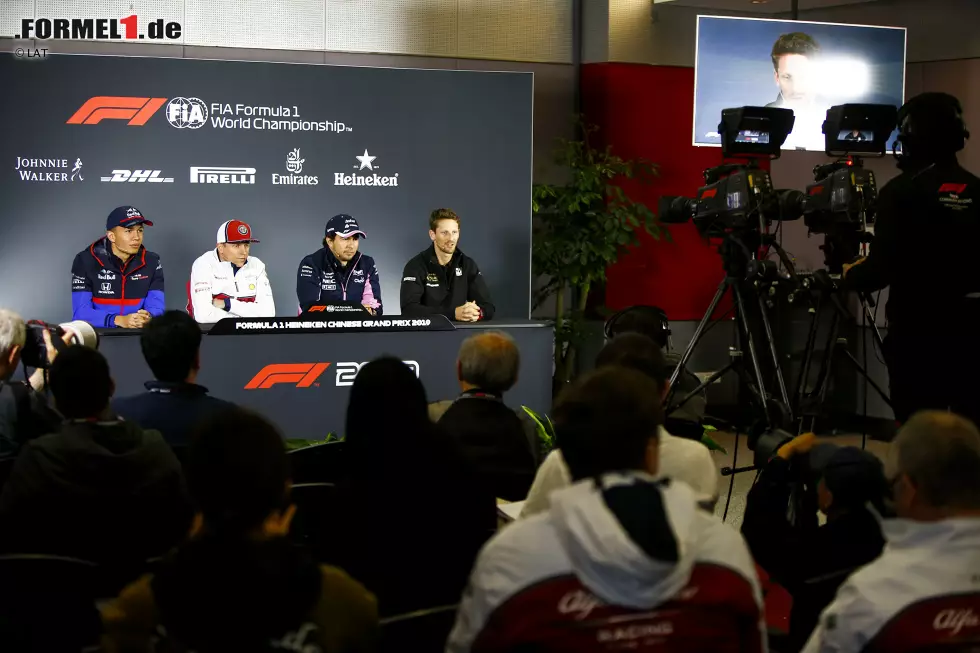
x: 804, y: 66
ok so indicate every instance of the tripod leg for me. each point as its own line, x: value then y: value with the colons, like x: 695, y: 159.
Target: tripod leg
x: 701, y: 386
x: 863, y: 372
x: 823, y: 378
x: 780, y: 381
x: 740, y: 309
x: 722, y: 287
x: 874, y: 325
x: 811, y: 341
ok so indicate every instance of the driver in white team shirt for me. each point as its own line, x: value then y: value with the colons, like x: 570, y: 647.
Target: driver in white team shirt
x: 227, y: 282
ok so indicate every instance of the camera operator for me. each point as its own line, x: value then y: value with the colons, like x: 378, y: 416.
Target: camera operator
x: 926, y: 230
x: 24, y: 412
x: 808, y: 560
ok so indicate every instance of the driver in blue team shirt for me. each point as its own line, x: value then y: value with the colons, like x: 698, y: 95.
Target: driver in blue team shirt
x: 116, y: 281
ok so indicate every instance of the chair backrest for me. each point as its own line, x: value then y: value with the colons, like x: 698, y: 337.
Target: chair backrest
x: 6, y: 465
x: 313, y: 526
x: 320, y: 463
x: 47, y: 603
x: 947, y: 624
x: 189, y: 307
x: 421, y: 631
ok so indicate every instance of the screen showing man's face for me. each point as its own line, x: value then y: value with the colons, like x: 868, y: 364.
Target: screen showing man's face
x: 795, y: 79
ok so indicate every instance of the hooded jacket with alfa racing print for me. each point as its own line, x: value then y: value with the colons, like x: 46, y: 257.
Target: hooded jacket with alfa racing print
x: 321, y: 279
x: 921, y: 594
x: 621, y: 562
x: 103, y: 287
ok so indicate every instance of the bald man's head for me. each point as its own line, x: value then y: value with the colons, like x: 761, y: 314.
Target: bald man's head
x: 935, y: 464
x: 488, y: 361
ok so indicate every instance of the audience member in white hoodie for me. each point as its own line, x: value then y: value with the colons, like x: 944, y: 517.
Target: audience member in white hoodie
x: 620, y: 560
x: 681, y: 459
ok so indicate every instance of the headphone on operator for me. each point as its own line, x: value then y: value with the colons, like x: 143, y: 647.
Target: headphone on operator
x: 931, y: 123
x: 655, y: 317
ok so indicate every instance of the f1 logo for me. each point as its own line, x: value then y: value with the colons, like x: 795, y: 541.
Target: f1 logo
x: 347, y: 372
x: 317, y: 309
x: 137, y: 110
x: 302, y: 375
x: 955, y: 189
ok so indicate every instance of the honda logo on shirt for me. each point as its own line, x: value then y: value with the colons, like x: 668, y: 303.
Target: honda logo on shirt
x: 107, y: 287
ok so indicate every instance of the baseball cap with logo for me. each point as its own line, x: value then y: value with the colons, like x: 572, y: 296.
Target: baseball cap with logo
x: 235, y: 231
x: 125, y: 216
x: 344, y: 226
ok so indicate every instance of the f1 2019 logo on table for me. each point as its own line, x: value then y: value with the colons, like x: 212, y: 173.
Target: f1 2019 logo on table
x: 306, y: 375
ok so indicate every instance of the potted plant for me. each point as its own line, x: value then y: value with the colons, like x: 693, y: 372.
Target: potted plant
x: 580, y: 229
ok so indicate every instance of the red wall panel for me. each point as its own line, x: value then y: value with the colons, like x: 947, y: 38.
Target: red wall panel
x: 647, y: 111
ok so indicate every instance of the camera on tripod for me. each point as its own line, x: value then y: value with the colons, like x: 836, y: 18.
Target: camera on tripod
x: 841, y: 201
x: 737, y: 197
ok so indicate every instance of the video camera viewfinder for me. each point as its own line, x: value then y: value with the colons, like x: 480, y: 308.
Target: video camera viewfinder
x: 754, y: 131
x: 859, y: 129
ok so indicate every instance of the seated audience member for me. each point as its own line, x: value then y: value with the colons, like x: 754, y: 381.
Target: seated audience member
x: 681, y: 459
x: 811, y: 562
x: 923, y: 592
x: 491, y: 435
x: 411, y: 517
x: 619, y: 556
x: 24, y: 411
x: 652, y: 322
x: 174, y: 402
x: 238, y: 584
x: 101, y: 488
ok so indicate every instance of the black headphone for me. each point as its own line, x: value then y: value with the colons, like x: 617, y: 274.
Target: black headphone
x: 658, y: 315
x: 931, y: 122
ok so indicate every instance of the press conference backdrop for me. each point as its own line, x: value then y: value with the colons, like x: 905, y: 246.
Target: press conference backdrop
x: 290, y: 145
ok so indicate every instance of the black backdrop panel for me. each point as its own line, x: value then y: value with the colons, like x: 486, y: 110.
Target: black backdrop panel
x: 441, y: 138
x: 313, y: 408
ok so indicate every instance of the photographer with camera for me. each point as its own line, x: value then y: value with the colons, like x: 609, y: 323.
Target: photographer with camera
x: 808, y: 560
x: 929, y: 213
x: 24, y: 412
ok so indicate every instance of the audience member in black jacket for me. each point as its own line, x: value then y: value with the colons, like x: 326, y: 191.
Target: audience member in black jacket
x: 174, y: 402
x: 491, y: 435
x: 101, y: 488
x: 410, y: 517
x: 808, y: 560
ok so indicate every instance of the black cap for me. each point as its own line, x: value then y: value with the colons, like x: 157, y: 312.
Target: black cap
x: 854, y: 476
x: 125, y: 216
x: 343, y: 225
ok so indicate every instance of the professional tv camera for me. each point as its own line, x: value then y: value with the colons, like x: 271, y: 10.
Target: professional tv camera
x: 840, y: 205
x: 737, y: 196
x: 738, y: 205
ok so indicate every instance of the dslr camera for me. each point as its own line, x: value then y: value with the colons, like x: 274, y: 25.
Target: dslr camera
x: 35, y: 352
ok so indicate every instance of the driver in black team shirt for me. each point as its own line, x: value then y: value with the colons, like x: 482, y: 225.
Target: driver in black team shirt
x: 442, y: 279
